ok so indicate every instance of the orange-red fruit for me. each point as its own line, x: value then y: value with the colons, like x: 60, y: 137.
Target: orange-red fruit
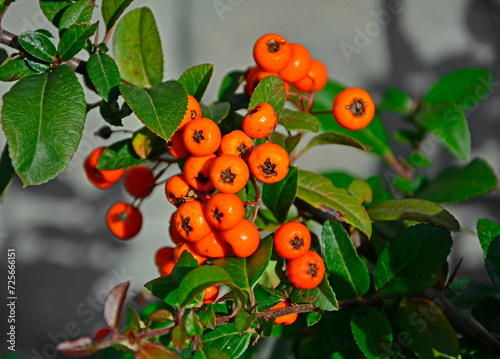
x: 100, y: 179
x: 316, y: 77
x: 292, y: 240
x: 224, y: 211
x: 299, y: 65
x: 353, y: 108
x: 124, y: 220
x: 166, y: 268
x: 269, y: 162
x: 260, y: 121
x: 201, y: 137
x: 242, y: 240
x: 177, y: 190
x: 211, y: 294
x: 187, y: 246
x: 272, y: 52
x: 197, y: 170
x: 250, y: 79
x: 236, y: 143
x: 175, y: 146
x: 193, y: 112
x: 139, y: 181
x: 229, y: 174
x: 191, y: 221
x: 212, y: 246
x: 163, y: 255
x: 284, y: 319
x: 306, y: 272
x: 175, y: 236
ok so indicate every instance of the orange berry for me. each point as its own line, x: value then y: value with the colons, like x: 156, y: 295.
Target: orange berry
x: 299, y: 64
x: 175, y: 146
x: 242, y: 240
x: 100, y: 179
x: 201, y: 137
x: 250, y: 79
x: 124, y: 220
x: 175, y: 236
x: 269, y: 162
x: 212, y: 246
x: 187, y: 246
x: 167, y: 267
x: 224, y: 211
x: 196, y: 172
x: 306, y: 272
x: 211, y: 294
x: 178, y: 191
x: 193, y: 112
x: 284, y: 319
x: 260, y: 121
x: 353, y: 108
x: 229, y: 174
x: 163, y: 255
x: 191, y: 221
x: 236, y: 143
x: 292, y: 240
x: 139, y: 181
x: 272, y: 52
x: 316, y: 77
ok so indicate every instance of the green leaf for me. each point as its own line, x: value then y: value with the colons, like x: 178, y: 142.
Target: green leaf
x: 112, y: 113
x: 185, y: 264
x: 195, y: 80
x: 119, y: 155
x: 230, y: 123
x: 331, y: 138
x: 313, y: 318
x: 15, y: 70
x: 161, y: 287
x: 227, y: 338
x: 407, y: 263
x: 230, y: 83
x: 413, y: 209
x: 279, y: 197
x: 361, y: 190
x: 243, y: 321
x: 144, y: 141
x: 319, y: 192
x: 291, y: 142
x: 111, y: 11
x: 430, y: 334
x: 236, y: 267
x: 74, y: 39
x: 132, y: 320
x: 348, y: 274
x: 160, y: 108
x: 373, y: 135
x: 38, y: 45
x: 257, y: 263
x: 43, y: 123
x: 7, y: 172
x: 161, y: 315
x: 298, y: 120
x: 270, y: 89
x: 79, y: 12
x: 271, y: 277
x: 197, y: 280
x: 179, y: 336
x: 449, y: 124
x: 464, y: 88
x: 324, y: 297
x: 372, y: 332
x: 207, y: 316
x: 216, y: 112
x: 137, y: 49
x: 487, y: 313
x: 104, y: 74
x: 458, y: 184
x: 489, y: 237
x: 418, y: 158
x: 380, y: 192
x: 211, y: 353
x: 53, y: 10
x: 193, y: 324
x: 396, y: 100
x: 340, y: 335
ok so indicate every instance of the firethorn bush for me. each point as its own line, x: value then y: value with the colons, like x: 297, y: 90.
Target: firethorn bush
x: 347, y: 267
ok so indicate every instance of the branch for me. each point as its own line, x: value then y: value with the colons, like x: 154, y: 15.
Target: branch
x: 300, y: 308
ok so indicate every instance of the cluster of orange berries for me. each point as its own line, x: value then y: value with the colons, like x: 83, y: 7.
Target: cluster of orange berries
x: 274, y: 55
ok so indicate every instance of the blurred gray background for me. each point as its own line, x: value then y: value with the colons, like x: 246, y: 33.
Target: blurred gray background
x: 67, y: 260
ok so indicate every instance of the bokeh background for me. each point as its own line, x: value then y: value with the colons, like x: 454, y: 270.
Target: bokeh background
x: 67, y: 260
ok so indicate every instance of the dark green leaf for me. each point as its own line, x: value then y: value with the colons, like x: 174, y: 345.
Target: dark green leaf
x: 298, y: 120
x: 349, y: 275
x: 216, y: 112
x: 230, y: 83
x: 161, y: 287
x: 112, y: 113
x: 331, y: 138
x: 230, y: 123
x: 413, y: 209
x: 227, y: 338
x: 487, y: 313
x: 7, y: 172
x: 120, y: 154
x: 372, y: 332
x: 79, y: 12
x: 406, y: 137
x: 324, y: 297
x: 361, y: 190
x: 258, y: 262
x: 236, y: 267
x: 292, y: 142
x: 339, y: 179
x: 319, y: 192
x: 207, y: 316
x: 111, y: 11
x: 430, y: 333
x: 271, y: 277
x: 373, y: 135
x: 160, y: 108
x: 407, y: 263
x: 179, y: 336
x: 418, y: 158
x: 193, y: 324
x: 313, y: 318
x: 137, y: 49
x: 464, y: 294
x: 270, y: 89
x: 15, y: 70
x: 104, y: 73
x: 489, y: 237
x: 43, y: 123
x: 340, y: 335
x: 279, y: 197
x: 74, y: 39
x: 132, y: 320
x: 37, y: 65
x: 185, y: 264
x: 380, y: 192
x: 243, y: 321
x: 195, y: 80
x: 396, y: 100
x: 38, y: 45
x: 458, y: 184
x: 53, y: 10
